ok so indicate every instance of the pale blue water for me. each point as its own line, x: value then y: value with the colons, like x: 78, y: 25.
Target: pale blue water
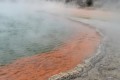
x: 28, y: 30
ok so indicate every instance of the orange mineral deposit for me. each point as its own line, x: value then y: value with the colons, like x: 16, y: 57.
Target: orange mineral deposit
x: 42, y: 66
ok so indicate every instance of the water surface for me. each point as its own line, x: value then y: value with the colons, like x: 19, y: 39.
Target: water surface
x: 26, y: 28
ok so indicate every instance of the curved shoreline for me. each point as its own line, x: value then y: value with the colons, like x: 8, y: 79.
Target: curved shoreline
x: 82, y: 70
x: 45, y: 65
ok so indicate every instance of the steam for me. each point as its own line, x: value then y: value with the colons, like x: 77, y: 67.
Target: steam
x: 108, y: 4
x: 29, y: 27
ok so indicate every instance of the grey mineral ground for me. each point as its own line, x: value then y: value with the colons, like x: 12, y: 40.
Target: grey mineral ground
x: 108, y: 68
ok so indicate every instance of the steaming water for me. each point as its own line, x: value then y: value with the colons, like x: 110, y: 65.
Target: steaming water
x: 27, y: 29
x: 30, y: 27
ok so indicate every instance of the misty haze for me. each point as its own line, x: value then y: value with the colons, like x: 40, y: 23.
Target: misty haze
x: 59, y: 40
